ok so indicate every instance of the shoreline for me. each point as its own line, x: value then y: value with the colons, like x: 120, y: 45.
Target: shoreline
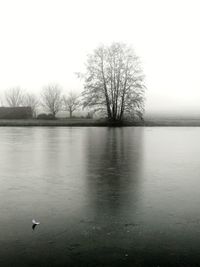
x: 98, y: 123
x: 64, y: 123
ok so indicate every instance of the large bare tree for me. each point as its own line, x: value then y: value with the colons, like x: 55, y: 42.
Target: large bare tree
x: 51, y: 98
x: 71, y: 103
x: 14, y: 97
x: 114, y: 82
x: 30, y: 100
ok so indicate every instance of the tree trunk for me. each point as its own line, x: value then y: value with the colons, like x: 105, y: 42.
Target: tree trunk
x: 70, y: 113
x: 54, y: 114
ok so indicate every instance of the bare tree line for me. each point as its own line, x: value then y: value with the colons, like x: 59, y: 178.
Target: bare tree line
x: 113, y: 86
x: 51, y: 100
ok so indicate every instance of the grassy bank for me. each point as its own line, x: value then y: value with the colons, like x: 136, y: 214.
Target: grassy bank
x: 64, y: 122
x: 98, y: 123
x: 182, y: 122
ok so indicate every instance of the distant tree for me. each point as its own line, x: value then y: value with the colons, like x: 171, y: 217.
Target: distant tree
x: 30, y: 100
x: 51, y: 99
x: 14, y: 97
x: 114, y: 82
x: 71, y: 103
x: 1, y: 101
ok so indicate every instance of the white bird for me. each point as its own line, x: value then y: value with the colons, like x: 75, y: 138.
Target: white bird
x: 35, y: 223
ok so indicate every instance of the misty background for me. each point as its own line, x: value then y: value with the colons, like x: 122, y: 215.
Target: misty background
x: 47, y: 41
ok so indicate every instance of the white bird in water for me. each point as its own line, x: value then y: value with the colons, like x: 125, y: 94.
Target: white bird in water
x: 35, y: 223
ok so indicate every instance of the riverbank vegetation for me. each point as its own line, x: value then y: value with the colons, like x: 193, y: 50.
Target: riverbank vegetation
x: 84, y: 122
x: 113, y: 89
x: 72, y: 122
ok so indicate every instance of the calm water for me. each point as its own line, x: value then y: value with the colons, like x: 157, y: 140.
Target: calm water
x: 104, y: 196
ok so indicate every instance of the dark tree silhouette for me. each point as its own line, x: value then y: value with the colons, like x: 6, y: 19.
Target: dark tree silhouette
x: 71, y: 103
x: 14, y: 97
x: 114, y: 82
x: 30, y: 100
x: 51, y: 99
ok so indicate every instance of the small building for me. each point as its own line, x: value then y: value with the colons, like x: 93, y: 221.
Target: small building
x: 16, y: 113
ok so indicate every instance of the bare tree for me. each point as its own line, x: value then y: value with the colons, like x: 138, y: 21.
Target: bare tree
x: 30, y: 100
x: 71, y: 103
x: 114, y: 82
x: 51, y: 98
x: 14, y: 97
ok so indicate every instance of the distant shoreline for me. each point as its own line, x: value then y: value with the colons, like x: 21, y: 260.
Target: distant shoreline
x: 100, y: 123
x: 65, y: 123
x: 175, y: 122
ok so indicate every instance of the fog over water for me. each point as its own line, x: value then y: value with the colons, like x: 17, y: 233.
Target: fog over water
x: 45, y: 41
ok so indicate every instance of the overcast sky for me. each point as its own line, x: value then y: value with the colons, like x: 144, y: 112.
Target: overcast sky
x: 46, y: 41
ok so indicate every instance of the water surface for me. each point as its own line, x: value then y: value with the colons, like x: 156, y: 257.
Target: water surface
x: 104, y: 196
